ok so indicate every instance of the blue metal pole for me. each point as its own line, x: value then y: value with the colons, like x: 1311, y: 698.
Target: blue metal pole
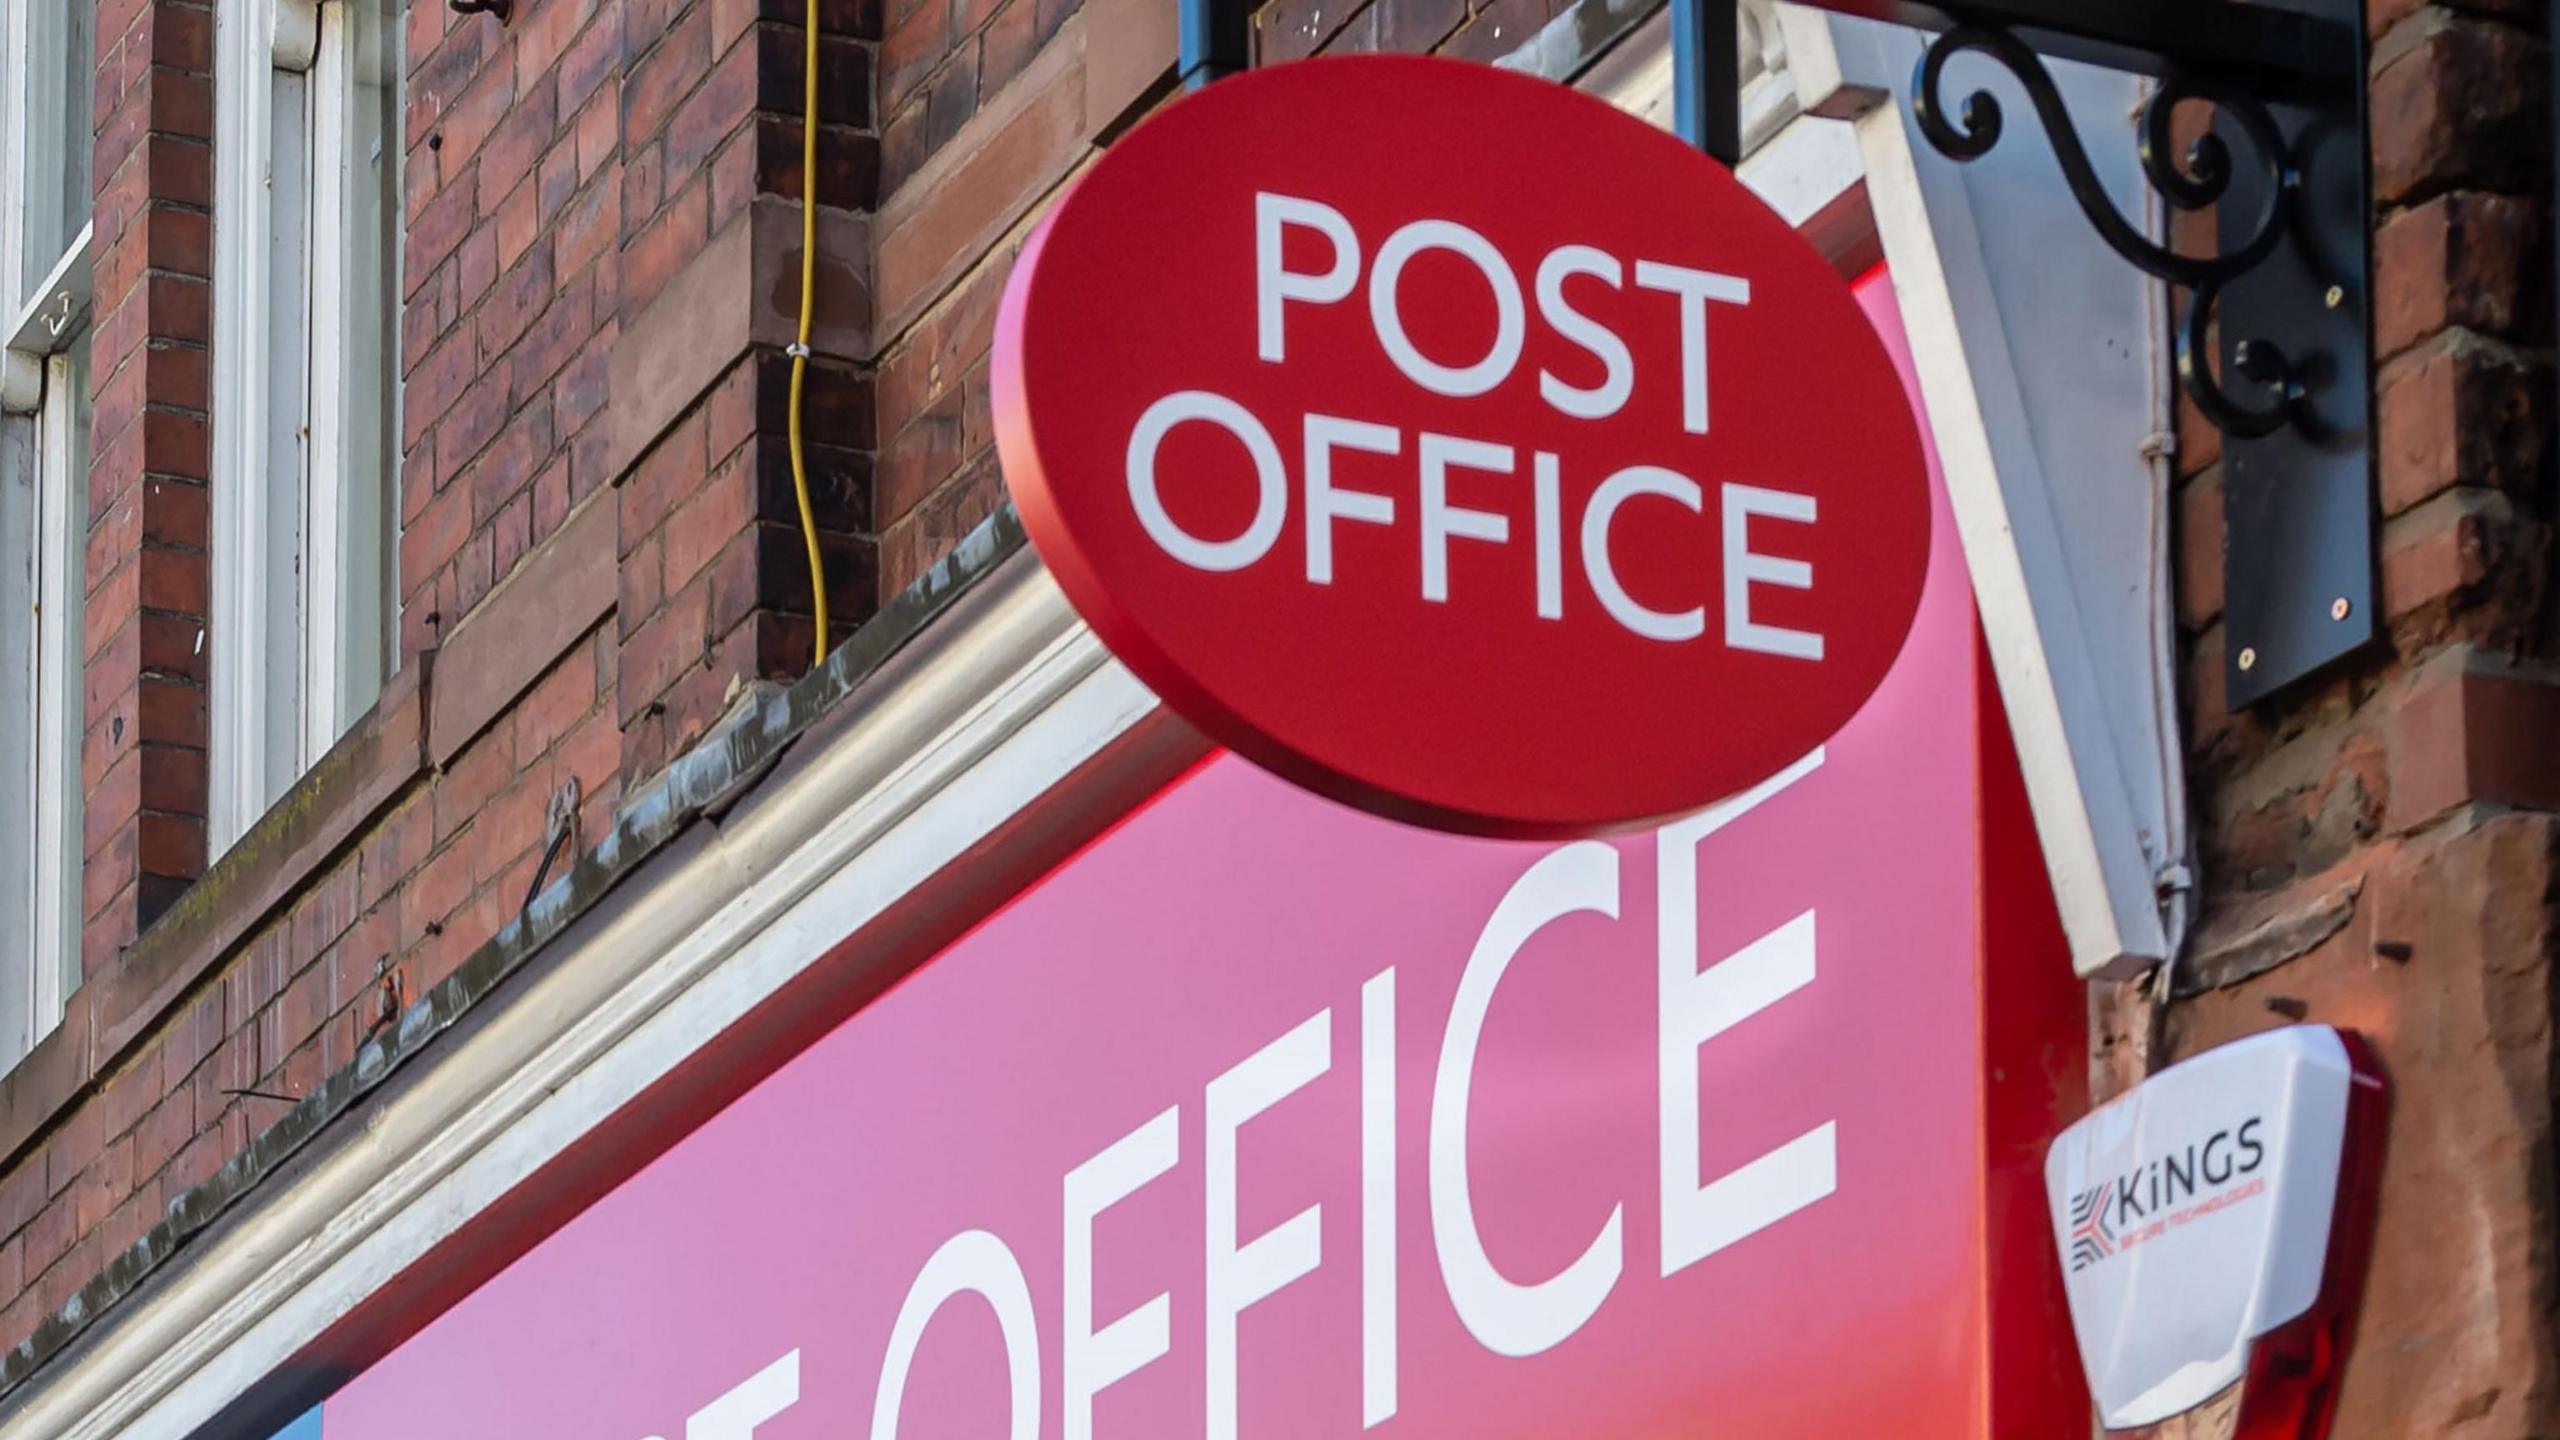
x: 1706, y: 75
x: 1216, y: 40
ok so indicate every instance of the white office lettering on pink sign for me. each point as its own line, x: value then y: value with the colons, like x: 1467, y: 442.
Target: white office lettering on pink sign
x: 1506, y: 1316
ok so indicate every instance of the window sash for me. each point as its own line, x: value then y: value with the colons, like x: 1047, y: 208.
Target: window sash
x: 44, y: 472
x: 354, y: 256
x: 62, y: 466
x: 47, y: 70
x: 302, y: 559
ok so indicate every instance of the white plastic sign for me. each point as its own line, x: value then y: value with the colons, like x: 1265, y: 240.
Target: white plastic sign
x: 2194, y: 1216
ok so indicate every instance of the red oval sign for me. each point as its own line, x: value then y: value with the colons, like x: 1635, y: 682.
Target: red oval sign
x: 1460, y: 447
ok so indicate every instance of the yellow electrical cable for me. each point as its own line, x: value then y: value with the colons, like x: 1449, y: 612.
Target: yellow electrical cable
x: 808, y: 294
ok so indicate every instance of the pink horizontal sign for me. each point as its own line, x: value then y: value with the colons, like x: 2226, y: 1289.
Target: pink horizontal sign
x: 1262, y: 1117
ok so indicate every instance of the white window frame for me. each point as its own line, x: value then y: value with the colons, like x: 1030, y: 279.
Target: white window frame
x: 44, y: 314
x: 302, y: 604
x: 44, y: 487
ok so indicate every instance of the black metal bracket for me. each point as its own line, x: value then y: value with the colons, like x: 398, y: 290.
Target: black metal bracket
x: 2273, y: 346
x: 2299, y: 529
x: 2200, y: 182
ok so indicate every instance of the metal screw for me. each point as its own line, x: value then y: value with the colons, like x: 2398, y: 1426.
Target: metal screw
x: 2248, y: 658
x: 2338, y: 608
x: 2336, y: 297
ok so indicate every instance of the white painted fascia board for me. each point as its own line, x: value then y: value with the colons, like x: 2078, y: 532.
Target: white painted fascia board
x: 2103, y: 777
x: 1011, y: 698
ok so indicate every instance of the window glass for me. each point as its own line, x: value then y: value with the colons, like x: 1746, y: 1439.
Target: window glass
x: 306, y: 393
x: 68, y: 168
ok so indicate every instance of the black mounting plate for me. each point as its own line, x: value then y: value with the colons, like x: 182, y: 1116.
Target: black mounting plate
x: 2297, y: 505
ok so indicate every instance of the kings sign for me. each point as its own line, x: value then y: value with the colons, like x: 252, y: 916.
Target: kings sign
x: 1461, y: 448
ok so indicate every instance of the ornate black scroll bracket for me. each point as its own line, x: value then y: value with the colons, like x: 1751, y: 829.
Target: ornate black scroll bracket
x: 2272, y: 346
x: 2200, y: 180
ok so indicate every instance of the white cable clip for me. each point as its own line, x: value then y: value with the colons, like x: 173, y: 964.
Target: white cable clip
x: 798, y: 351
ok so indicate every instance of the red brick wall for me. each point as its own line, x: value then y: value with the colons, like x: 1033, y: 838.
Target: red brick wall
x: 143, y: 751
x: 513, y: 182
x: 2379, y: 851
x: 560, y: 171
x: 715, y: 586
